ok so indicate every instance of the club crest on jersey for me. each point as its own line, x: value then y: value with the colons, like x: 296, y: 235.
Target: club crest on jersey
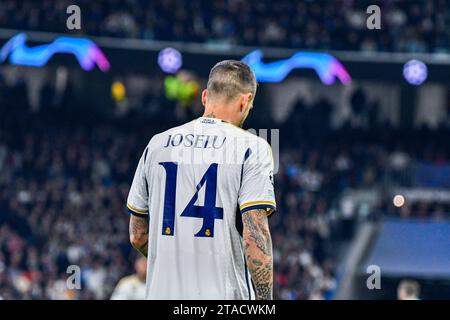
x: 195, y: 141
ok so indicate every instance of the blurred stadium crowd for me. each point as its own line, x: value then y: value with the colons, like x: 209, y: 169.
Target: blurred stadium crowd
x: 407, y: 26
x: 65, y: 171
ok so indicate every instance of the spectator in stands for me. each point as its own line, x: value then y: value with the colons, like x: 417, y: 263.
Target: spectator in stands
x: 412, y: 26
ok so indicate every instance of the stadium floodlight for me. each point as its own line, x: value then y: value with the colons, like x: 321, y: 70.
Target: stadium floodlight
x: 86, y: 51
x: 327, y: 67
x: 170, y: 60
x: 415, y: 72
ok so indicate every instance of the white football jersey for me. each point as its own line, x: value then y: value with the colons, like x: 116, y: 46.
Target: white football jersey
x: 194, y: 182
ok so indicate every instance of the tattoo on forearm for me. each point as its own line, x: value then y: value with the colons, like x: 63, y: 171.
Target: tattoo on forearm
x: 139, y: 230
x: 143, y: 249
x: 258, y: 251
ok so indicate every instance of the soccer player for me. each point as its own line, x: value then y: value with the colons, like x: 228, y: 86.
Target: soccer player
x: 132, y: 287
x: 201, y: 197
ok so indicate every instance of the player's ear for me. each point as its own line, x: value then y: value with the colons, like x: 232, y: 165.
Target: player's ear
x: 246, y: 101
x: 204, y: 92
x: 250, y: 100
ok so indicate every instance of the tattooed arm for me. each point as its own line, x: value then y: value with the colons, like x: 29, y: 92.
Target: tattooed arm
x: 258, y: 251
x: 139, y: 234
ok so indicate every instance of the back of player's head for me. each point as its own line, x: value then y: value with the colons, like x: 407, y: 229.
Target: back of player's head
x: 408, y: 289
x: 229, y: 78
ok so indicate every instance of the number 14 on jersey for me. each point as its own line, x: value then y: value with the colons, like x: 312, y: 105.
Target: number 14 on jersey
x: 209, y: 212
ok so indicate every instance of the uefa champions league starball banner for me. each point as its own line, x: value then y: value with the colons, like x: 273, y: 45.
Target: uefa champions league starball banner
x: 269, y: 64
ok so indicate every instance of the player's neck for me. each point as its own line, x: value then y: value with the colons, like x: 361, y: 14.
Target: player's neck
x: 218, y: 115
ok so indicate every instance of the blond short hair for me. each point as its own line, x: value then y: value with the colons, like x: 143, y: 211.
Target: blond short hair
x: 229, y: 78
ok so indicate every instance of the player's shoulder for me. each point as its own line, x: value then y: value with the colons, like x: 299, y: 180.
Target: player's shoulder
x: 255, y: 141
x: 241, y: 133
x: 261, y: 142
x: 248, y: 139
x: 128, y: 280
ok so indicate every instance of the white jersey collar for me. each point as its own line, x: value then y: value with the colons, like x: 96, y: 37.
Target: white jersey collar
x: 208, y: 120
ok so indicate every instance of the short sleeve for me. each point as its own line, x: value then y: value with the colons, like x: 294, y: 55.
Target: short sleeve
x: 137, y: 201
x: 257, y: 185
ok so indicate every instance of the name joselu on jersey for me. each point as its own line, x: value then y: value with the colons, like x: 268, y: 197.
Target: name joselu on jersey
x: 195, y: 141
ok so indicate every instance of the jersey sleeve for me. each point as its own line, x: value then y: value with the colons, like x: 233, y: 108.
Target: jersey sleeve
x: 257, y: 185
x: 137, y: 201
